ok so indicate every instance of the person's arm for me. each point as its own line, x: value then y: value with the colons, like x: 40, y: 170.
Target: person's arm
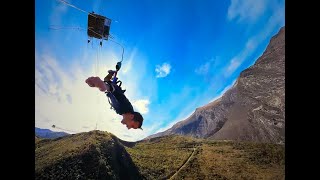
x: 109, y: 76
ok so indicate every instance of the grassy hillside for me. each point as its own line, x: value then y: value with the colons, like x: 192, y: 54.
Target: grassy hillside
x: 92, y: 155
x: 101, y: 155
x: 160, y: 157
x: 163, y: 158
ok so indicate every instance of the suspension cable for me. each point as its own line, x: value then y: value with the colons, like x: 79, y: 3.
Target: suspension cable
x: 54, y: 126
x: 111, y: 39
x: 55, y: 27
x: 97, y: 60
x: 71, y: 5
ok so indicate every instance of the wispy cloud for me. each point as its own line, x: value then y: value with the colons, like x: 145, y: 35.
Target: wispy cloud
x: 128, y: 63
x: 141, y: 105
x: 248, y: 10
x: 62, y: 98
x: 163, y: 70
x: 186, y: 110
x: 223, y: 91
x: 59, y: 9
x: 189, y: 109
x: 97, y: 6
x: 276, y: 20
x: 182, y: 116
x: 238, y: 59
x: 204, y: 68
x: 127, y: 66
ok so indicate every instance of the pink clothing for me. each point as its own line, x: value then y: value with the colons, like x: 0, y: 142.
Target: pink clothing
x: 97, y: 82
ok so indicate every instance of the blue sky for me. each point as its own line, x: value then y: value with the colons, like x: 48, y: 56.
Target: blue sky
x: 178, y: 55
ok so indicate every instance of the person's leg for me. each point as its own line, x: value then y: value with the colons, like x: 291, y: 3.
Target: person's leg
x: 90, y: 82
x: 97, y: 82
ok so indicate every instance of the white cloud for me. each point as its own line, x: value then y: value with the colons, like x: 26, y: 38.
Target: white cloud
x: 276, y: 20
x: 141, y: 105
x: 248, y: 10
x: 63, y: 99
x: 163, y: 70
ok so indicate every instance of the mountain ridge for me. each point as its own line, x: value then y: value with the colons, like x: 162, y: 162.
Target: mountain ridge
x: 253, y: 109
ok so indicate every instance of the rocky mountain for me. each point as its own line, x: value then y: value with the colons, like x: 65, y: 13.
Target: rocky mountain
x: 252, y: 110
x: 47, y: 133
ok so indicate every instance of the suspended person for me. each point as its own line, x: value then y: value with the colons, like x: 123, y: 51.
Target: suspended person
x: 119, y: 101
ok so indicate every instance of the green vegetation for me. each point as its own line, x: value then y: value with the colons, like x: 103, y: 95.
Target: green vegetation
x: 223, y: 161
x: 101, y: 155
x: 92, y: 155
x: 211, y: 160
x: 161, y: 157
x: 49, y: 151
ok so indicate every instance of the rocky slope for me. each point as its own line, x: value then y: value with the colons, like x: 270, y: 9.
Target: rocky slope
x: 252, y: 110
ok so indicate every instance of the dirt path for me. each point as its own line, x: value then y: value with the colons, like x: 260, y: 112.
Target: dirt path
x: 175, y: 174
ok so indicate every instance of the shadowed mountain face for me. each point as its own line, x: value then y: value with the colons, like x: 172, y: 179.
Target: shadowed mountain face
x: 90, y: 155
x: 252, y: 110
